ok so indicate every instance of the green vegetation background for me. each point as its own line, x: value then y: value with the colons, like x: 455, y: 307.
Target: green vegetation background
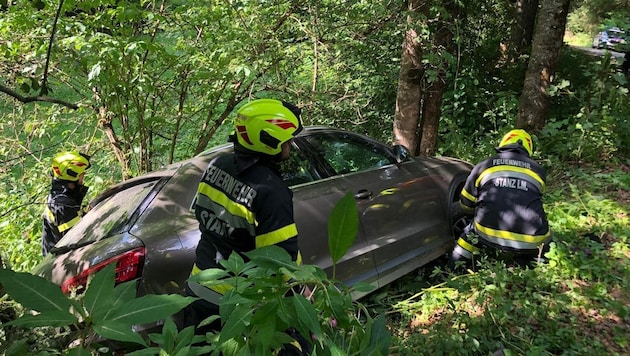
x: 579, y: 303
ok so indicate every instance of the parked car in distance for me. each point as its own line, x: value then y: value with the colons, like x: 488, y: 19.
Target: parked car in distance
x: 611, y: 38
x: 407, y: 206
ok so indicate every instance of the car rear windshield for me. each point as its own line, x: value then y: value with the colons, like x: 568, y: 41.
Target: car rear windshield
x: 110, y: 216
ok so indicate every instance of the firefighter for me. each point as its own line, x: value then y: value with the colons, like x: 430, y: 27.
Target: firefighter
x: 503, y: 194
x: 63, y: 204
x: 242, y: 202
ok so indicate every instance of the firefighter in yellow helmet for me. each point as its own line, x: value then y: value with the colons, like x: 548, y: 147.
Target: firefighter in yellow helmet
x: 504, y: 194
x: 63, y: 204
x: 242, y: 202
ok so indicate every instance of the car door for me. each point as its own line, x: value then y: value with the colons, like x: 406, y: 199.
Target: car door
x: 400, y: 210
x: 315, y: 193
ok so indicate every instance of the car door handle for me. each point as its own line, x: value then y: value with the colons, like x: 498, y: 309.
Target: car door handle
x: 363, y: 194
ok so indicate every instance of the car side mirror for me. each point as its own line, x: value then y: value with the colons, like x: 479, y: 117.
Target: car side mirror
x: 401, y: 152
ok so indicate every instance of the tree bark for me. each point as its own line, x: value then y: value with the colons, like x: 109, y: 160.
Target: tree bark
x: 432, y: 108
x: 409, y: 94
x: 548, y: 37
x: 431, y: 115
x: 522, y: 32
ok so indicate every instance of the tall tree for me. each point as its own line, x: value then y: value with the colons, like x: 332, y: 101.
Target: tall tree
x: 436, y: 85
x: 522, y: 31
x: 548, y: 39
x: 410, y: 93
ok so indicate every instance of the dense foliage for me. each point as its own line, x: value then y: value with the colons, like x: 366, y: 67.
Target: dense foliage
x: 156, y: 82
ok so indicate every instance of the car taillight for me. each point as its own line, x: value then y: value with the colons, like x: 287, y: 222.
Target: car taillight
x: 128, y: 267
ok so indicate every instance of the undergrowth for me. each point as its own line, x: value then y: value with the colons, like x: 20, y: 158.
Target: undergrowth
x: 575, y: 304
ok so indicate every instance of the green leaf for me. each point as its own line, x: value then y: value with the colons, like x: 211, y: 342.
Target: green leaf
x: 235, y: 324
x: 149, y: 308
x: 271, y: 257
x: 343, y: 226
x: 207, y: 275
x: 34, y: 292
x: 77, y: 351
x: 99, y: 291
x: 307, y: 316
x: 363, y: 287
x: 55, y: 318
x: 123, y: 293
x: 380, y: 338
x: 119, y: 331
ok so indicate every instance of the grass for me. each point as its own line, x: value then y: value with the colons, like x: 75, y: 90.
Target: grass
x: 576, y: 304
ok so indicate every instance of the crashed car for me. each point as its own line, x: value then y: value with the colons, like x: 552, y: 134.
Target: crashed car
x: 146, y: 225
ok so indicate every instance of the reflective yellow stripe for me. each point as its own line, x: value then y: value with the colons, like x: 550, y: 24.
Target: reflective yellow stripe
x: 231, y: 206
x: 276, y: 236
x: 507, y: 235
x: 50, y: 214
x: 468, y: 196
x: 69, y: 224
x: 467, y: 246
x: 520, y: 170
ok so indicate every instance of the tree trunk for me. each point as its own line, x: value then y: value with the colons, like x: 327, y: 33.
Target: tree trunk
x: 444, y: 42
x: 534, y: 101
x: 523, y: 30
x: 431, y: 115
x: 409, y: 95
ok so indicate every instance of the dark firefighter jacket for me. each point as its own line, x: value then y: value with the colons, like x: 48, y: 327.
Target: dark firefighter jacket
x: 63, y: 211
x: 242, y: 204
x: 505, y: 192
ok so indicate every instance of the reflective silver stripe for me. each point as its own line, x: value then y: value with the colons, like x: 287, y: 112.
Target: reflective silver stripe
x: 205, y: 293
x: 222, y: 212
x: 514, y: 244
x: 463, y: 252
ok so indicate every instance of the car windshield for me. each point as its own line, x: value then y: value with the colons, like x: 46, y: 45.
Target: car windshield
x: 110, y: 216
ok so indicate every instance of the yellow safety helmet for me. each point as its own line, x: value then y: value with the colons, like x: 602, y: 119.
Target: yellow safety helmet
x: 520, y: 137
x: 69, y: 165
x: 263, y: 125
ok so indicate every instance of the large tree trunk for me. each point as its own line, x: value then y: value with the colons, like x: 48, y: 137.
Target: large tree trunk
x: 409, y: 95
x: 431, y: 115
x: 534, y: 101
x: 432, y: 108
x: 523, y: 30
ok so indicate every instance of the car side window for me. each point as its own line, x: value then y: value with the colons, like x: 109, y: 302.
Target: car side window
x: 346, y: 154
x: 297, y: 169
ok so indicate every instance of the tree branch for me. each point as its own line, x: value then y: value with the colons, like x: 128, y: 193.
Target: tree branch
x: 29, y: 99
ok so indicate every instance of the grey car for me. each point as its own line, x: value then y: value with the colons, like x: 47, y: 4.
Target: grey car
x: 407, y: 205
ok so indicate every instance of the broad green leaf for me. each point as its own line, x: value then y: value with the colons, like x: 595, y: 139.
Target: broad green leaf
x: 149, y: 351
x: 307, y: 314
x: 55, y: 318
x: 211, y: 274
x: 363, y: 287
x: 77, y: 351
x: 149, y: 308
x: 235, y: 323
x: 271, y: 257
x: 343, y: 226
x: 122, y: 294
x: 119, y: 331
x: 99, y: 292
x: 34, y: 292
x: 380, y: 338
